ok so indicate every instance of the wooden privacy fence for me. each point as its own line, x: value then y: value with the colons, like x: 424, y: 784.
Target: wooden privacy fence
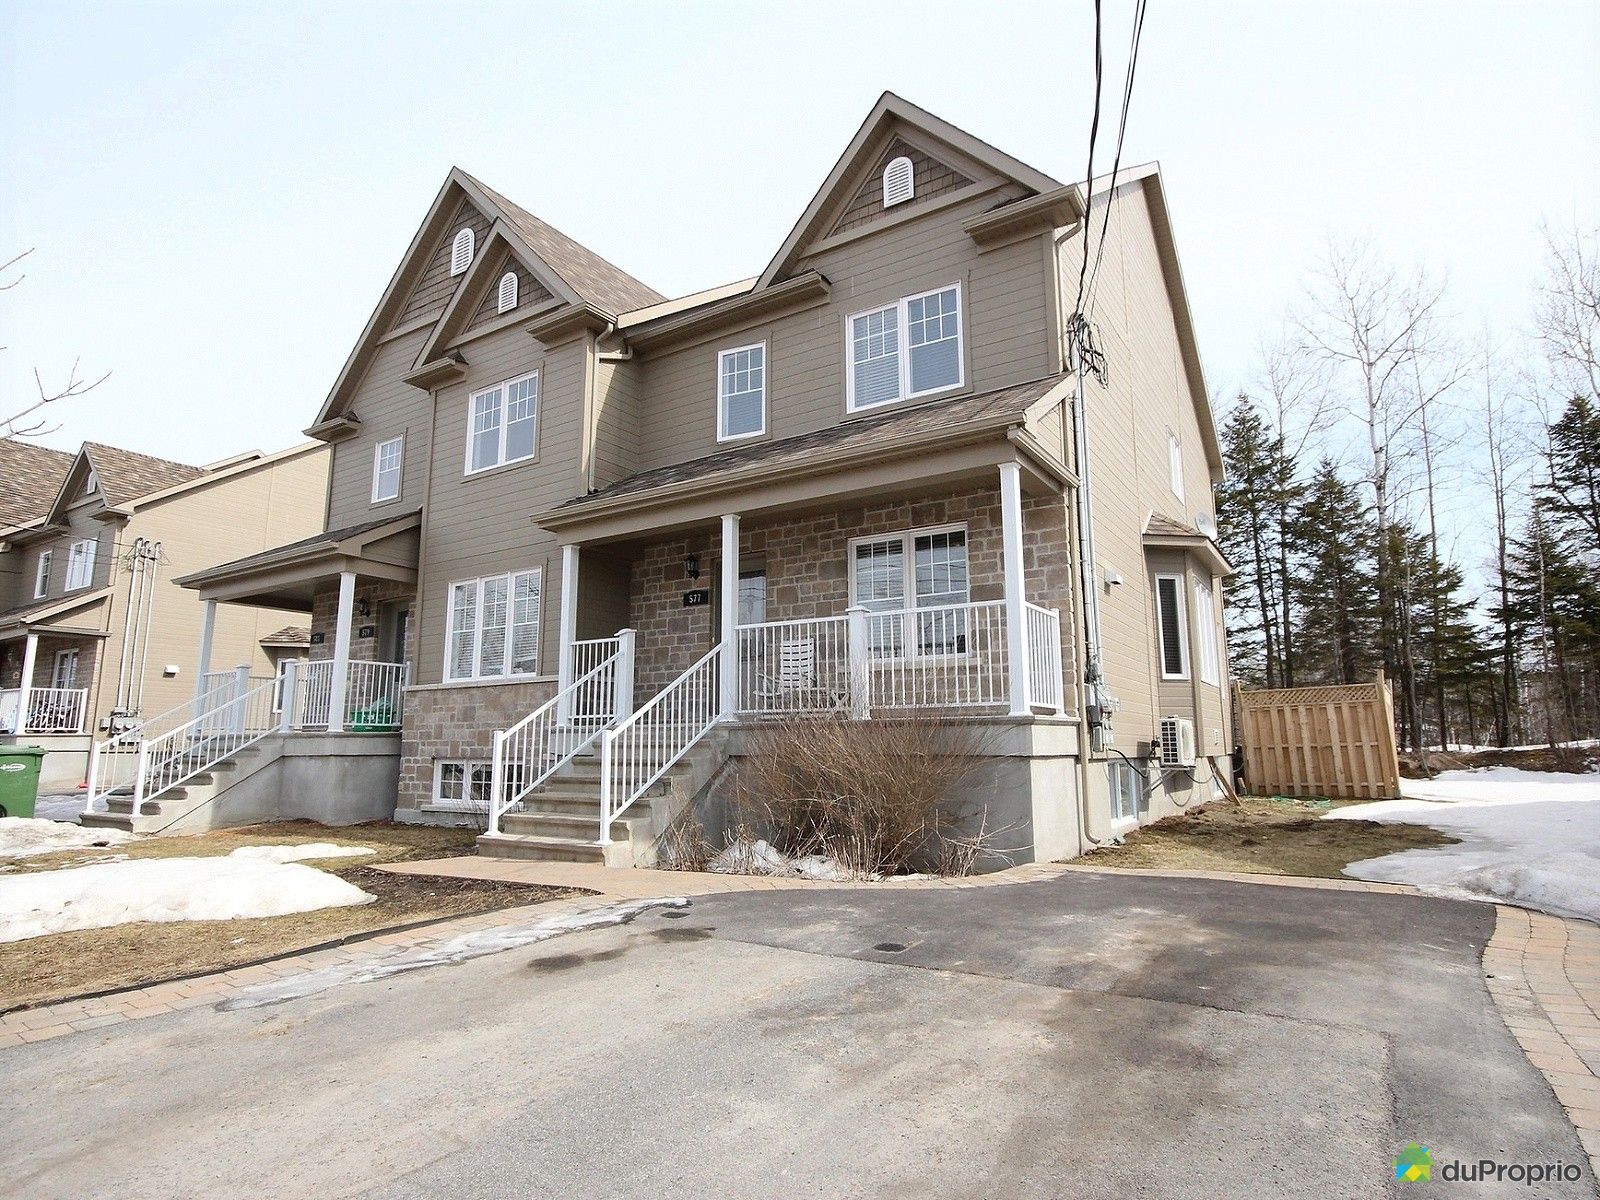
x: 1320, y: 741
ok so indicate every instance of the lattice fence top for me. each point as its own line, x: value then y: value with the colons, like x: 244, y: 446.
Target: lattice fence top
x: 1342, y: 694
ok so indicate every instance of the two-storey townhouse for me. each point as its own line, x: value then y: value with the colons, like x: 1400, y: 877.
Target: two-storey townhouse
x: 95, y: 637
x: 602, y: 533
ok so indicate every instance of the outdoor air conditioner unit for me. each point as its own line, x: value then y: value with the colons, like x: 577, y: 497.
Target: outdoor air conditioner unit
x: 1177, y: 742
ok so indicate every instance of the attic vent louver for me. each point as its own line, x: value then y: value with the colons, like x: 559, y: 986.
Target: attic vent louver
x: 898, y: 185
x: 461, y: 252
x: 508, y: 291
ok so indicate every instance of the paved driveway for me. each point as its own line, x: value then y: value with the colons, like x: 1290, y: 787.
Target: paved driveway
x: 1089, y: 1035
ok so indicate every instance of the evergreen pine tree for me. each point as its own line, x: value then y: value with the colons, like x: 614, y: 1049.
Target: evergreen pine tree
x: 1333, y: 542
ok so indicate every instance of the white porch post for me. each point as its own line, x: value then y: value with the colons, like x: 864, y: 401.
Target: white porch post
x: 1016, y: 597
x: 288, y: 697
x: 30, y: 652
x: 569, y: 632
x: 622, y: 682
x: 860, y: 662
x: 730, y: 613
x: 202, y: 662
x: 341, y: 651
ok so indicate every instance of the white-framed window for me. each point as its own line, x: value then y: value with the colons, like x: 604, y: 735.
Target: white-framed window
x: 493, y: 626
x: 461, y: 251
x: 1205, y: 635
x: 41, y: 575
x: 923, y: 570
x: 387, y: 460
x: 905, y: 350
x: 753, y: 596
x: 80, y: 564
x: 742, y: 392
x: 64, y: 672
x: 1127, y: 791
x: 1170, y: 623
x: 1175, y: 463
x: 507, y: 297
x: 458, y: 784
x: 502, y: 423
x: 899, y: 184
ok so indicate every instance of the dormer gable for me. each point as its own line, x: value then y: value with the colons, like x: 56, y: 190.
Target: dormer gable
x: 947, y: 165
x: 468, y: 228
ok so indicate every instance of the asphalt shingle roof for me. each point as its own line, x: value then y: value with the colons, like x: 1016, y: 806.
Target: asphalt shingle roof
x: 30, y: 478
x: 865, y: 433
x: 126, y: 475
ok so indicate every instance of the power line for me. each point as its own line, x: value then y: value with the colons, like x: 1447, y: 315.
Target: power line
x: 1116, y: 162
x: 1088, y: 186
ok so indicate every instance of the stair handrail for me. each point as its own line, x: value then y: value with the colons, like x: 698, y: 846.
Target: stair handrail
x: 178, y: 755
x: 638, y: 751
x: 534, y: 736
x: 128, y: 740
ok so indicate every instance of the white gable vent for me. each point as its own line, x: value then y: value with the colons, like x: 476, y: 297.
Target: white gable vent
x: 508, y: 291
x: 461, y: 251
x: 897, y: 182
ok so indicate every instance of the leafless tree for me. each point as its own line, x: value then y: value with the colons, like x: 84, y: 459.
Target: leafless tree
x: 1568, y: 318
x: 30, y: 420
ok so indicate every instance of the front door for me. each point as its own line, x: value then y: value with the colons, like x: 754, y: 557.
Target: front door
x: 394, y: 622
x: 65, y: 674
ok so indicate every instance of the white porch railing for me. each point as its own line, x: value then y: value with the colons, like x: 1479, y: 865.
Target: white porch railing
x: 1044, y: 657
x: 374, y: 698
x: 50, y: 710
x: 526, y: 755
x: 641, y: 748
x: 113, y: 762
x: 794, y: 666
x: 172, y: 758
x: 953, y: 656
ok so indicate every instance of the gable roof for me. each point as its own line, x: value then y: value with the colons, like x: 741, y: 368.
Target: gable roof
x: 476, y: 284
x: 889, y: 110
x: 127, y: 475
x: 30, y: 477
x: 586, y: 277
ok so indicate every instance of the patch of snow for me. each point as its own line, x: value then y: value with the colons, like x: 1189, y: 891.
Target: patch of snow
x: 457, y: 949
x: 21, y: 837
x: 745, y: 857
x: 59, y: 806
x: 223, y: 888
x: 1529, y: 838
x: 289, y: 854
x: 819, y: 866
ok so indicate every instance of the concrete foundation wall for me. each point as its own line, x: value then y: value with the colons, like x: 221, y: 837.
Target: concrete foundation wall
x: 67, y: 764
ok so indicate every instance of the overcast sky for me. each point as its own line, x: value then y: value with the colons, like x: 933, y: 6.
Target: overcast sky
x: 218, y: 193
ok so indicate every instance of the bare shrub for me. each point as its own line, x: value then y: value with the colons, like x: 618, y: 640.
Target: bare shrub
x: 871, y: 795
x: 684, y: 845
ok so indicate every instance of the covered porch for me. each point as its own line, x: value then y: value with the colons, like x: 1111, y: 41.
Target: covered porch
x: 48, y: 653
x: 354, y: 588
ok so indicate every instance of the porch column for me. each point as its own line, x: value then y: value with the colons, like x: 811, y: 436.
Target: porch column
x: 1016, y: 597
x: 341, y: 651
x: 730, y: 613
x: 202, y: 663
x: 30, y: 652
x: 569, y: 632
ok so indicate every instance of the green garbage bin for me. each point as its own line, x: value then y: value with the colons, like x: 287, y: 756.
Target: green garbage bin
x: 19, y: 779
x: 379, y: 718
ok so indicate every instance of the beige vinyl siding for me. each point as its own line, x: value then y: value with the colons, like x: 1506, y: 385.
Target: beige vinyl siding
x: 1128, y: 424
x: 436, y: 285
x: 388, y: 408
x: 482, y: 524
x: 1004, y: 328
x: 617, y: 407
x: 81, y: 525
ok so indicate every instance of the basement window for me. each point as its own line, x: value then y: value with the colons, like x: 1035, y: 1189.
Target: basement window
x: 461, y: 785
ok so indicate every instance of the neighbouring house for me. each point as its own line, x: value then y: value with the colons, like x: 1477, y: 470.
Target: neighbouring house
x: 581, y: 537
x: 95, y: 637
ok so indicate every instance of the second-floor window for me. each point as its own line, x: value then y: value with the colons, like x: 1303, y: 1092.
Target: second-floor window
x: 1205, y: 635
x: 494, y: 627
x: 80, y: 564
x: 905, y: 350
x: 41, y: 576
x: 1170, y: 625
x: 742, y: 392
x: 501, y: 423
x: 387, y: 460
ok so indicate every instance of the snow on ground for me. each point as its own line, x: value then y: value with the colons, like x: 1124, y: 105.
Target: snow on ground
x: 24, y: 836
x: 223, y: 888
x: 289, y: 854
x: 1530, y: 838
x: 59, y: 806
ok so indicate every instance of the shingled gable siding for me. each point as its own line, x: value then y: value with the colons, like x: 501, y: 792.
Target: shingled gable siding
x: 436, y: 285
x: 387, y: 408
x: 529, y: 292
x: 930, y: 179
x: 806, y: 559
x: 1005, y: 327
x: 482, y: 524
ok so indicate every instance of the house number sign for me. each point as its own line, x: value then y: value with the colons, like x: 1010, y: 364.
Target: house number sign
x: 697, y: 598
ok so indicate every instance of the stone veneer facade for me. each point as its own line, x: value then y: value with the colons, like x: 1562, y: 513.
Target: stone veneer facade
x: 807, y: 564
x: 456, y: 723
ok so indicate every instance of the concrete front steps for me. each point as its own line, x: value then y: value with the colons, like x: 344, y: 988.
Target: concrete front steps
x: 560, y: 821
x: 176, y: 808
